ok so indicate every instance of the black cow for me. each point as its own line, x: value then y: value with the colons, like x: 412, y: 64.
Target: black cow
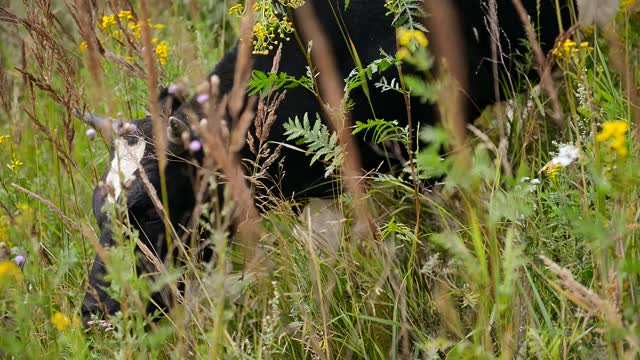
x: 370, y: 30
x: 133, y: 149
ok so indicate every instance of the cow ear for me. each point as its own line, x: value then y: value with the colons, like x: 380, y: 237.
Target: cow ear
x: 170, y: 99
x: 175, y: 130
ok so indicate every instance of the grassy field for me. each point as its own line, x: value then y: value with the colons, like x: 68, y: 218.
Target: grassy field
x: 529, y: 253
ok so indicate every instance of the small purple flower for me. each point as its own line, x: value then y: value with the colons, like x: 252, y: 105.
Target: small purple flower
x: 90, y: 133
x: 19, y: 260
x: 172, y: 88
x: 195, y: 145
x: 202, y: 98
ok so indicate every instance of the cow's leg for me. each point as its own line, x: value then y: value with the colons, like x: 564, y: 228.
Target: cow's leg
x: 96, y: 300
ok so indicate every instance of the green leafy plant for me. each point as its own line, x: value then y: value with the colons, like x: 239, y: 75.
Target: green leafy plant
x: 321, y: 143
x: 266, y: 83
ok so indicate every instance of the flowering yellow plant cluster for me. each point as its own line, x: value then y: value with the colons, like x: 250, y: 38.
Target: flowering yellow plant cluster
x: 614, y: 134
x: 9, y: 271
x: 14, y: 164
x: 626, y: 5
x: 570, y: 47
x: 272, y: 24
x: 408, y: 40
x: 567, y: 155
x: 162, y: 52
x: 109, y: 25
x: 60, y: 321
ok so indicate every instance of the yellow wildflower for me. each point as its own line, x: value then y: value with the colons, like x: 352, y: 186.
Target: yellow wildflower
x: 271, y: 24
x: 294, y: 4
x: 9, y: 269
x: 585, y: 45
x: 564, y: 48
x: 15, y: 164
x: 570, y: 47
x: 553, y: 170
x: 158, y: 26
x: 108, y: 21
x: 612, y: 128
x: 4, y: 137
x: 406, y: 36
x: 135, y: 29
x: 162, y: 51
x: 614, y: 133
x: 154, y: 40
x: 125, y: 14
x: 83, y: 46
x: 408, y: 40
x: 403, y: 53
x: 129, y: 59
x: 588, y: 30
x: 60, y: 321
x: 236, y: 9
x: 628, y: 4
x: 118, y: 35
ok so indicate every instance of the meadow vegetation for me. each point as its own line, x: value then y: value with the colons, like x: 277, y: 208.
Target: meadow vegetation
x: 528, y: 250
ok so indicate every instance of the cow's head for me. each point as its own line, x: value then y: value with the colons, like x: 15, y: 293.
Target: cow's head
x: 134, y: 151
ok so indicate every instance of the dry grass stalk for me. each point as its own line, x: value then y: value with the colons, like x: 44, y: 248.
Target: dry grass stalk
x: 497, y: 58
x: 589, y: 301
x: 264, y: 120
x: 218, y: 155
x: 446, y: 38
x: 88, y: 233
x: 159, y: 122
x: 221, y: 149
x: 584, y: 297
x: 244, y: 64
x: 619, y: 59
x: 51, y: 136
x: 154, y: 260
x: 130, y: 41
x: 8, y: 212
x: 543, y: 69
x: 332, y: 91
x: 85, y: 18
x: 450, y: 321
x: 45, y: 48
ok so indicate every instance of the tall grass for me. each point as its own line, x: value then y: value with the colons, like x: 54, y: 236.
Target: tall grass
x: 524, y: 265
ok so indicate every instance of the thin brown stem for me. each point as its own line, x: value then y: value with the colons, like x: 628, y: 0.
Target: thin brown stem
x: 332, y: 93
x: 543, y: 70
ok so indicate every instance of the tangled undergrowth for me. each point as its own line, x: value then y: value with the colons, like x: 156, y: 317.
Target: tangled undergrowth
x: 530, y: 253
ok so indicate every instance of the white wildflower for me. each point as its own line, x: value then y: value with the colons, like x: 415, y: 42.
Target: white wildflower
x: 567, y: 154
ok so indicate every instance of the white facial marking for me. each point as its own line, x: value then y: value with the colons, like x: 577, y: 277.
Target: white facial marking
x: 124, y: 164
x: 596, y: 12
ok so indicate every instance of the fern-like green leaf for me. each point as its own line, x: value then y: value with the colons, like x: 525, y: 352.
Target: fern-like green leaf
x: 321, y: 143
x: 383, y: 131
x: 265, y: 83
